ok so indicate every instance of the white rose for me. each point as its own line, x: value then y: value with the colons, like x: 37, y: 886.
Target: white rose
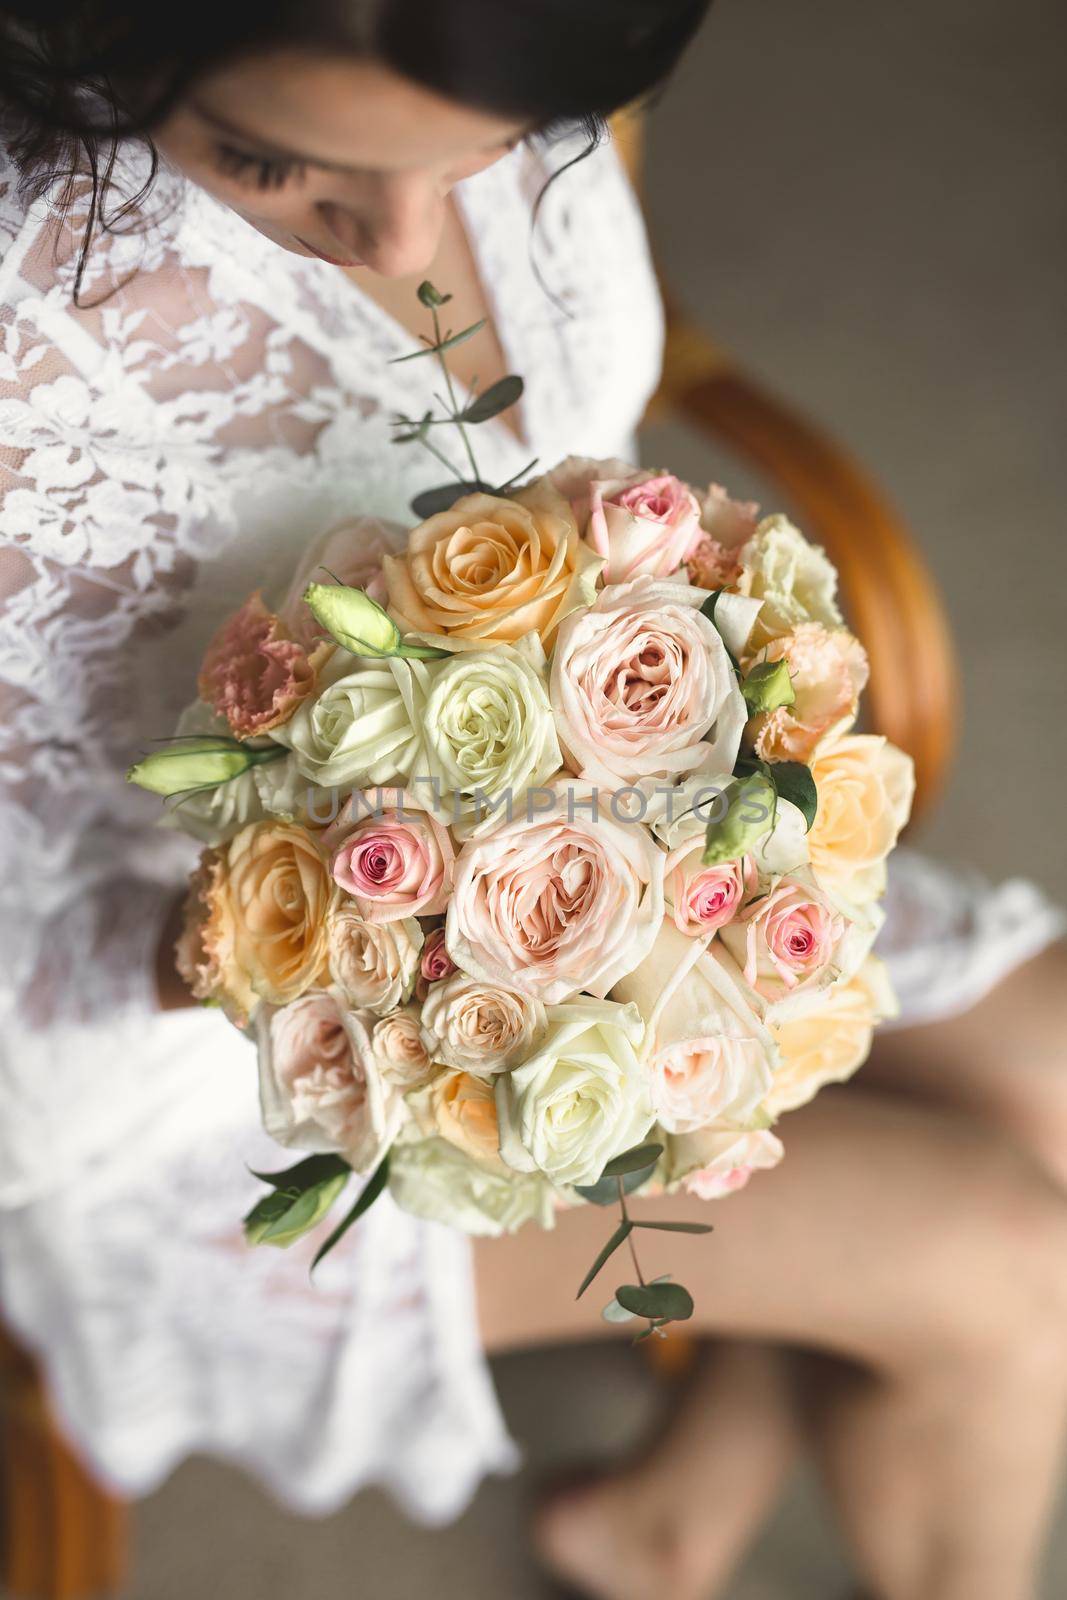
x: 718, y: 1162
x: 488, y: 731
x: 793, y: 578
x: 581, y: 1098
x: 710, y: 1057
x: 399, y: 1051
x: 479, y: 1026
x: 320, y: 1086
x: 363, y: 726
x: 434, y: 1179
x: 374, y: 964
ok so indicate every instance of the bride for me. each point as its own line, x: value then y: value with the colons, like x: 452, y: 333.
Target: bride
x: 211, y: 224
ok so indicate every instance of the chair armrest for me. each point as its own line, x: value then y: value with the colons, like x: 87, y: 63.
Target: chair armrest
x: 887, y: 591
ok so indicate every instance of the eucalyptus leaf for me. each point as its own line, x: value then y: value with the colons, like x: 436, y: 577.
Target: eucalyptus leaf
x: 367, y: 1197
x: 415, y: 430
x: 794, y: 782
x: 620, y: 1236
x: 677, y: 1227
x: 445, y: 344
x: 286, y: 1214
x: 642, y: 1156
x: 613, y: 1312
x: 431, y: 501
x: 668, y: 1302
x: 492, y: 401
x: 708, y: 608
x: 306, y: 1173
x: 605, y: 1192
x: 431, y: 298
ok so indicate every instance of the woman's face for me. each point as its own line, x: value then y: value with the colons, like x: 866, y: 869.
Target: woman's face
x: 340, y: 159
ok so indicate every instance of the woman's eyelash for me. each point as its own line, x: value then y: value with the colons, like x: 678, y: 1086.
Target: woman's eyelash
x: 259, y: 172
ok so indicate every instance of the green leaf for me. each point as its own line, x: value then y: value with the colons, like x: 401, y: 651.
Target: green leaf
x: 642, y: 1156
x: 794, y: 782
x: 367, y: 1197
x: 613, y: 1312
x: 677, y: 1227
x: 620, y: 1236
x: 749, y: 816
x: 492, y: 401
x: 286, y: 1214
x: 668, y: 1302
x: 312, y: 1170
x: 446, y: 344
x: 415, y: 430
x: 708, y: 608
x: 421, y: 652
x: 431, y: 297
x: 605, y: 1192
x: 431, y: 501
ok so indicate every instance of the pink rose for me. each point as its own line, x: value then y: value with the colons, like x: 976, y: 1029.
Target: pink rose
x: 320, y: 1085
x: 255, y: 673
x: 828, y: 670
x: 435, y: 964
x: 701, y: 898
x: 643, y: 525
x: 787, y: 940
x: 643, y: 687
x: 354, y: 553
x: 558, y: 901
x: 727, y: 1160
x: 711, y: 1057
x: 393, y: 858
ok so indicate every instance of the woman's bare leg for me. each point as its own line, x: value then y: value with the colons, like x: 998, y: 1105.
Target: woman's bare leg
x: 909, y: 1241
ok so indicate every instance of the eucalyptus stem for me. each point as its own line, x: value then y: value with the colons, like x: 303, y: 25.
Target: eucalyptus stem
x: 630, y: 1239
x: 442, y: 458
x: 450, y: 387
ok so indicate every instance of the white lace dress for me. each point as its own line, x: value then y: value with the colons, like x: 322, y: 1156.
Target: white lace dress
x: 163, y: 451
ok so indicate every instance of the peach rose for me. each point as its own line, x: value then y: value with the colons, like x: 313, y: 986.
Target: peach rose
x: 390, y: 856
x: 280, y: 897
x: 557, y: 902
x: 373, y: 963
x: 255, y: 673
x: 827, y: 1044
x: 399, y: 1051
x: 320, y: 1086
x: 715, y: 1163
x: 464, y: 1112
x: 480, y: 1027
x: 490, y: 570
x: 642, y: 524
x: 711, y: 1057
x: 643, y: 687
x: 828, y: 670
x: 205, y: 951
x: 787, y: 941
x: 865, y: 787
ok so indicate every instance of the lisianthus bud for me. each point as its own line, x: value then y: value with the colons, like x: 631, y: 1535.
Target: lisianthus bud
x: 748, y: 816
x: 768, y: 686
x: 196, y: 764
x: 352, y: 618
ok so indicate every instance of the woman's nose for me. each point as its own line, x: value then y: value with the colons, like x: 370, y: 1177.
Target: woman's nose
x: 396, y: 228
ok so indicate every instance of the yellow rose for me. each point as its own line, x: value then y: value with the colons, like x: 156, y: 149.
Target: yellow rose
x: 464, y: 1113
x: 490, y: 570
x: 827, y: 1044
x: 865, y: 786
x: 279, y: 892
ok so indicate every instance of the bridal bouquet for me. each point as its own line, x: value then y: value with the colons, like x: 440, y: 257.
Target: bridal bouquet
x: 543, y: 863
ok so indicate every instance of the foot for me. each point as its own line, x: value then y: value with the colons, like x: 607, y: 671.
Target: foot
x: 608, y: 1539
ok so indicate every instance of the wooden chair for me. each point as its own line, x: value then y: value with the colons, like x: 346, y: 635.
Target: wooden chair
x: 64, y: 1535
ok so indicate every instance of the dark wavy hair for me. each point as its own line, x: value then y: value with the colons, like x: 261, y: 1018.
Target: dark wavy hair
x: 77, y: 79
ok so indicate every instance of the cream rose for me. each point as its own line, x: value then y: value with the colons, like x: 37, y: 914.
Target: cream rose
x: 374, y: 964
x: 828, y: 1043
x: 320, y: 1086
x: 709, y: 1057
x: 791, y: 576
x: 581, y: 1098
x: 363, y: 727
x: 434, y: 1180
x: 480, y: 1027
x: 643, y: 687
x: 715, y: 1163
x: 556, y: 902
x: 280, y: 897
x: 491, y: 569
x: 488, y: 732
x: 865, y: 787
x: 396, y: 1040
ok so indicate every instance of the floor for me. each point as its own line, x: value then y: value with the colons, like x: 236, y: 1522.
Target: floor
x: 862, y: 201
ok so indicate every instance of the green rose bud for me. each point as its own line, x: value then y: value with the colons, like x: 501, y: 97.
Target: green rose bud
x: 769, y: 686
x: 300, y: 1199
x: 196, y: 764
x: 749, y: 815
x: 351, y: 617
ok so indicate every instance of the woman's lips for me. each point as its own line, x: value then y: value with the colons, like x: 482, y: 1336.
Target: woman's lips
x: 335, y: 261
